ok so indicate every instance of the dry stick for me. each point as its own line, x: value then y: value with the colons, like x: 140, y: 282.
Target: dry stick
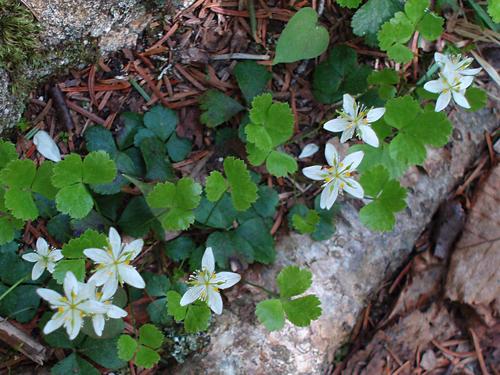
x: 479, y: 353
x: 22, y: 342
x: 61, y: 107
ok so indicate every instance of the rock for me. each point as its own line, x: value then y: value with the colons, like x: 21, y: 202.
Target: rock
x: 10, y: 110
x: 346, y: 270
x: 474, y: 273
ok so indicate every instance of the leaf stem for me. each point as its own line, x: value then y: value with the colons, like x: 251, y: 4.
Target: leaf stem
x: 6, y: 293
x: 268, y: 291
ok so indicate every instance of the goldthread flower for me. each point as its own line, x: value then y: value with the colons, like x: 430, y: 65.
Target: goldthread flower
x: 355, y: 119
x: 114, y: 264
x: 44, y: 257
x: 336, y: 176
x: 206, y: 284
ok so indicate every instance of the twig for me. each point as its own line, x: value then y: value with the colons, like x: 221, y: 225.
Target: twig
x: 479, y: 353
x: 239, y: 56
x: 22, y: 342
x: 61, y: 107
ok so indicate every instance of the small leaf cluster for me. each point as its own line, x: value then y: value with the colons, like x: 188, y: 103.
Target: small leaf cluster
x: 144, y: 351
x: 316, y: 222
x: 195, y: 317
x: 396, y: 32
x: 300, y: 311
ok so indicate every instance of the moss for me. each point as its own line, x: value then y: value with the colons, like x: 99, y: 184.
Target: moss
x: 18, y: 35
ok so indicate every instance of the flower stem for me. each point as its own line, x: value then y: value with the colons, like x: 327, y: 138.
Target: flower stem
x: 268, y: 291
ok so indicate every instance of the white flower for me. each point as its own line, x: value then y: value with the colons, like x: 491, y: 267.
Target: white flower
x: 308, y: 150
x: 206, y: 283
x: 114, y: 264
x: 46, y: 146
x: 355, y: 118
x: 450, y: 84
x: 71, y: 308
x: 43, y: 257
x: 455, y: 63
x: 337, y: 176
x: 111, y: 311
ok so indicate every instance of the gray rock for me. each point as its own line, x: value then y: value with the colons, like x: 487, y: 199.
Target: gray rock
x: 347, y: 269
x: 9, y: 106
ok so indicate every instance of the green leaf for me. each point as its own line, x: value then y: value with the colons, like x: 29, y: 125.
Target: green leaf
x: 7, y: 153
x: 178, y: 148
x: 252, y: 78
x: 339, y: 74
x: 270, y: 313
x: 400, y: 112
x: 18, y: 174
x: 180, y: 248
x: 215, y: 186
x: 400, y: 53
x: 98, y: 138
x: 103, y: 351
x: 477, y: 98
x: 303, y: 38
x: 431, y: 26
x: 157, y: 312
x: 98, y: 168
x: 293, y: 281
x: 229, y: 244
x: 133, y: 122
x: 388, y: 198
x: 12, y: 266
x: 257, y: 236
x: 77, y: 266
x: 146, y: 357
x: 157, y: 164
x: 369, y: 18
x: 178, y: 201
x: 20, y: 304
x: 494, y: 10
x: 8, y: 226
x: 197, y: 318
x: 220, y: 214
x: 306, y: 223
x: 156, y: 285
x: 74, y: 200
x: 217, y: 108
x: 383, y: 77
x: 280, y: 164
x: 397, y: 30
x: 161, y: 121
x: 301, y: 311
x: 137, y: 219
x: 379, y: 156
x: 89, y: 239
x: 126, y: 347
x: 150, y: 336
x: 69, y: 171
x: 43, y: 181
x: 415, y: 9
x: 174, y: 307
x: 75, y: 365
x: 243, y: 189
x: 21, y: 204
x: 349, y: 3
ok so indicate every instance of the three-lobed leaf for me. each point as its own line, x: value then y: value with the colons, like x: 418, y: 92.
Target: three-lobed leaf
x: 270, y: 313
x: 293, y: 281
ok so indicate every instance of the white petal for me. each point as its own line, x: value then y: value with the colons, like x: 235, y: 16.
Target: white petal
x: 443, y: 101
x: 110, y: 286
x: 46, y: 146
x: 98, y: 256
x: 134, y: 248
x: 347, y: 134
x: 329, y: 195
x: 314, y: 172
x: 435, y: 86
x: 54, y: 323
x: 56, y: 255
x: 70, y: 284
x: 50, y: 296
x: 375, y: 114
x: 192, y: 294
x: 115, y: 312
x: 352, y: 161
x: 51, y: 266
x: 74, y: 325
x: 101, y: 276
x: 349, y: 105
x: 37, y: 270
x: 31, y: 257
x: 208, y: 261
x: 130, y: 276
x: 98, y: 324
x: 331, y: 155
x: 308, y: 150
x: 336, y: 125
x: 470, y: 72
x: 465, y: 82
x: 368, y: 135
x: 226, y: 280
x: 353, y: 187
x: 440, y: 58
x: 42, y: 247
x: 93, y: 307
x: 115, y: 241
x: 214, y: 301
x: 460, y: 99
